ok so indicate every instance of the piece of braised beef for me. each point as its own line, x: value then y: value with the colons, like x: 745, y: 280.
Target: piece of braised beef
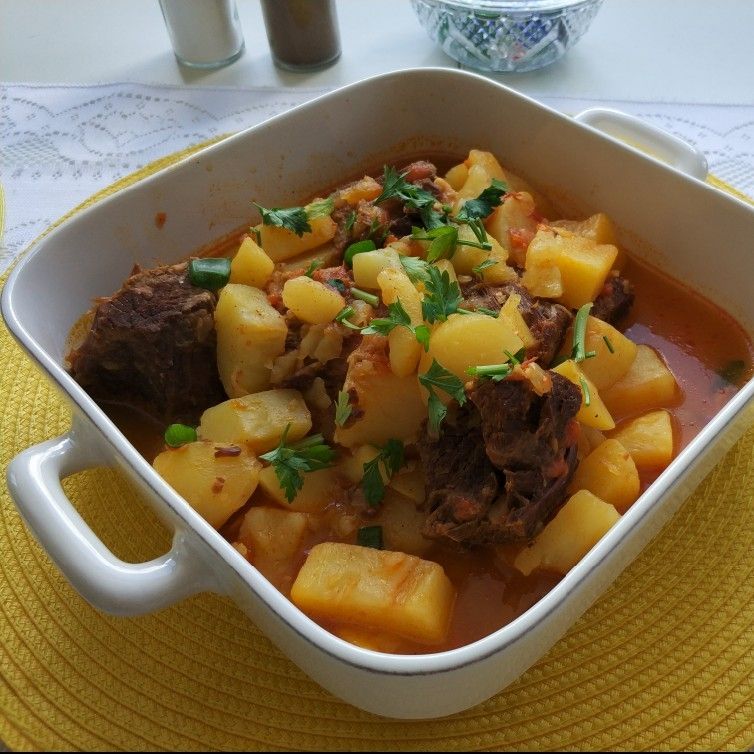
x: 547, y: 321
x: 526, y: 442
x: 152, y: 344
x: 461, y: 482
x: 615, y: 300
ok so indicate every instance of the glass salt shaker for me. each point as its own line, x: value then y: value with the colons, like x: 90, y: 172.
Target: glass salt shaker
x: 204, y: 33
x: 303, y: 34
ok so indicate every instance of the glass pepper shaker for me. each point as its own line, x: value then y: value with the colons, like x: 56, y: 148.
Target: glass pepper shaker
x: 204, y: 33
x: 303, y: 34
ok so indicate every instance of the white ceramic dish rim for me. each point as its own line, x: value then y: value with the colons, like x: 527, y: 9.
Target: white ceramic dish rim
x: 400, y: 665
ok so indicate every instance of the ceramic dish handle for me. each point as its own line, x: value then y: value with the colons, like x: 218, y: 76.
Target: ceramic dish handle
x: 670, y: 149
x: 110, y: 584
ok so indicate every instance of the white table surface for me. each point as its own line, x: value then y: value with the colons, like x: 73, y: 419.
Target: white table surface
x: 692, y: 51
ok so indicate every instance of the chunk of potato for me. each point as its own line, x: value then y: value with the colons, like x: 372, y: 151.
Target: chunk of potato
x: 457, y: 176
x: 377, y: 589
x: 312, y: 301
x: 467, y: 340
x: 488, y: 162
x: 576, y: 528
x: 319, y: 490
x: 214, y: 479
x: 598, y: 228
x: 648, y: 438
x: 401, y: 521
x: 610, y: 473
x: 352, y: 465
x: 280, y: 243
x: 366, y: 189
x: 517, y: 211
x: 608, y: 366
x: 404, y: 348
x: 510, y: 312
x: 411, y: 482
x: 543, y: 281
x: 250, y: 265
x: 258, y: 420
x: 466, y: 258
x: 647, y: 384
x: 273, y: 537
x: 368, y: 265
x: 250, y: 334
x: 596, y: 413
x: 583, y: 264
x: 389, y: 406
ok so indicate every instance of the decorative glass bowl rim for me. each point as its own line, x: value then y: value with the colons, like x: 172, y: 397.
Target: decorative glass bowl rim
x: 511, y: 7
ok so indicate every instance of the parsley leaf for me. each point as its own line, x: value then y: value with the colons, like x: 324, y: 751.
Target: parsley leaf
x: 294, y: 219
x: 443, y: 240
x: 441, y: 296
x: 343, y: 408
x: 386, y: 463
x: 395, y: 186
x: 321, y: 208
x: 482, y: 206
x: 482, y: 266
x: 397, y: 316
x: 439, y: 377
x: 315, y: 264
x: 343, y: 315
x: 416, y: 269
x: 498, y: 372
x: 291, y: 461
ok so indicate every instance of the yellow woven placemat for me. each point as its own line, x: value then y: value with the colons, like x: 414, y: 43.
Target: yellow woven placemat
x: 664, y: 661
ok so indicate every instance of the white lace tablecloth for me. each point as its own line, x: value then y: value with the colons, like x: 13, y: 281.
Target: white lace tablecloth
x: 59, y: 145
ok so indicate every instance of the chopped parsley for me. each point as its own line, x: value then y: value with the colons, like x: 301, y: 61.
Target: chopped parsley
x: 370, y: 536
x: 484, y: 204
x: 608, y: 344
x: 343, y: 408
x: 395, y: 186
x: 358, y: 247
x: 343, y: 317
x: 416, y: 269
x: 442, y: 297
x: 397, y: 317
x: 439, y: 377
x: 388, y: 461
x: 315, y: 264
x: 579, y: 352
x: 369, y: 298
x: 292, y: 461
x: 294, y: 219
x: 321, y: 208
x: 498, y: 372
x: 482, y: 266
x: 585, y: 390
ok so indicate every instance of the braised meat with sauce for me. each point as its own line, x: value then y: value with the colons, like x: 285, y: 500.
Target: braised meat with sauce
x: 501, y: 469
x: 153, y: 345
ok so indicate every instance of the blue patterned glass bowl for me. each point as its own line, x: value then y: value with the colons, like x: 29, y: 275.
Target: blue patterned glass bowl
x: 506, y: 36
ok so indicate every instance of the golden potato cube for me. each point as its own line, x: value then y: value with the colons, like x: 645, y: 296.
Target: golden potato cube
x: 215, y: 479
x: 368, y: 265
x: 608, y: 366
x: 584, y: 267
x: 401, y: 521
x: 543, y: 281
x: 465, y: 258
x: 250, y: 265
x: 319, y: 490
x: 257, y: 420
x: 487, y: 161
x: 273, y: 535
x: 250, y: 334
x: 377, y: 589
x: 280, y: 243
x: 517, y: 211
x: 610, y: 473
x: 457, y: 176
x: 405, y: 350
x: 411, y: 482
x: 647, y: 384
x: 477, y: 180
x: 510, y: 312
x: 576, y: 528
x: 312, y: 301
x: 365, y: 189
x: 390, y: 406
x: 352, y: 465
x: 649, y: 439
x: 596, y: 413
x: 598, y: 228
x: 467, y: 340
x: 445, y: 265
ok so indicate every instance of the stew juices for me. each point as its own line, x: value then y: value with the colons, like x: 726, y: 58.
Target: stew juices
x: 414, y: 403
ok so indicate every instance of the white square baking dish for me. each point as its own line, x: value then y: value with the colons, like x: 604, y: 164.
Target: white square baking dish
x: 394, y: 116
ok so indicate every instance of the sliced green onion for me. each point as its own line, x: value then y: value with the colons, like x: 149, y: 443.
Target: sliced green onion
x: 179, y: 434
x: 343, y: 315
x: 579, y: 334
x: 586, y: 391
x: 211, y: 274
x: 358, y: 248
x: 369, y: 298
x: 495, y: 372
x: 370, y: 536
